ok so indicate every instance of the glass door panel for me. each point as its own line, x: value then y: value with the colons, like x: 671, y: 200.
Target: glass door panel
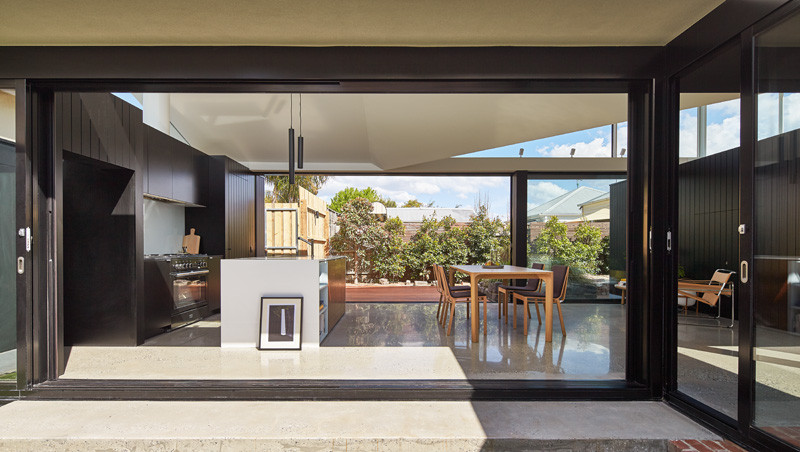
x: 776, y: 264
x: 707, y: 245
x: 8, y: 253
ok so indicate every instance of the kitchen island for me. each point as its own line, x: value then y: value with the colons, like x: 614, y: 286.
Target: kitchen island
x: 320, y: 282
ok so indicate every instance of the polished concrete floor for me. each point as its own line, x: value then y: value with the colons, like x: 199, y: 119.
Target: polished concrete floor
x: 382, y: 341
x: 708, y: 370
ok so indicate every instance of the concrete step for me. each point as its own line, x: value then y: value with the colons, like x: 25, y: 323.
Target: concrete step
x: 342, y: 426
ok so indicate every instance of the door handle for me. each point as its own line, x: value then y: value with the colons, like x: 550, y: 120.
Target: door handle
x: 743, y: 272
x: 20, y: 265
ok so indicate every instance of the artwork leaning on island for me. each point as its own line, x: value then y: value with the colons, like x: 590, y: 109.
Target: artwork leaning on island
x: 280, y: 323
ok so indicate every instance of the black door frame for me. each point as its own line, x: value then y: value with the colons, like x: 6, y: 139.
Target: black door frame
x: 740, y: 429
x: 45, y: 329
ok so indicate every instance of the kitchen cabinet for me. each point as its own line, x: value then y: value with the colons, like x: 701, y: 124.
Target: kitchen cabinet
x: 175, y: 170
x: 159, y: 163
x: 229, y: 222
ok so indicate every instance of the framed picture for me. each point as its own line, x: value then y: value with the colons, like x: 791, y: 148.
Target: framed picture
x: 280, y: 323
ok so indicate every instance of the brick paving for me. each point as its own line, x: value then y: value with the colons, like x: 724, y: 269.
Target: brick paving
x: 694, y: 445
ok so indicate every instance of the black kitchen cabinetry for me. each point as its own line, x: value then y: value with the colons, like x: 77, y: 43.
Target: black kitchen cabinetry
x: 175, y: 170
x: 229, y: 224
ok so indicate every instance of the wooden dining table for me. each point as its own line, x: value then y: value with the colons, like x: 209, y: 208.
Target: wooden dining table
x: 477, y: 272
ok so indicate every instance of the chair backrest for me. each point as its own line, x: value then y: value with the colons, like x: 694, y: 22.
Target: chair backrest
x: 533, y: 283
x: 560, y: 276
x: 436, y: 276
x: 721, y: 278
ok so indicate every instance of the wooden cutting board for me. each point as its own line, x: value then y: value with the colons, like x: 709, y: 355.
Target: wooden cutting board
x: 191, y: 242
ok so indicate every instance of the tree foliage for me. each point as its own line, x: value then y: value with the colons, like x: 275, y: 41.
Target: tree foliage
x: 386, y: 258
x: 583, y: 253
x: 282, y: 191
x: 343, y: 196
x: 412, y: 203
x: 378, y: 248
x: 359, y: 232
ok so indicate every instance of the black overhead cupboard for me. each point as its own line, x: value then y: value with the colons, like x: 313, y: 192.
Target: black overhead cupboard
x: 735, y: 138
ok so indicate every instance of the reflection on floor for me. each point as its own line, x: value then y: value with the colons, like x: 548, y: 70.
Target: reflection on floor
x: 708, y: 368
x: 381, y: 341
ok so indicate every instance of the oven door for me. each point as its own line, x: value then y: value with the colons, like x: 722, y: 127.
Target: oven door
x: 189, y: 289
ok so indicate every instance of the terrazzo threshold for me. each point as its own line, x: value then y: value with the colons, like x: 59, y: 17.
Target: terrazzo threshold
x: 342, y: 426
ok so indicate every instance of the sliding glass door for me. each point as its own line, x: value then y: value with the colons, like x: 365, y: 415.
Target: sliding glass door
x: 776, y: 225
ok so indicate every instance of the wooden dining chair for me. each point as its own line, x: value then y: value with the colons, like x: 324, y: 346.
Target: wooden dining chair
x: 453, y: 295
x: 440, y: 287
x: 505, y: 291
x: 560, y: 277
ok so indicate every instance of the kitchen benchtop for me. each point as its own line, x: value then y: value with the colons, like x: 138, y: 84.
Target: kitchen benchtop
x: 288, y: 258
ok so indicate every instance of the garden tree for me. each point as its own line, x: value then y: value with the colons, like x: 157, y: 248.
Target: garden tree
x: 553, y: 241
x: 486, y: 238
x: 386, y: 258
x: 436, y: 242
x: 582, y: 253
x: 283, y: 191
x: 359, y: 232
x: 343, y: 196
x: 412, y: 203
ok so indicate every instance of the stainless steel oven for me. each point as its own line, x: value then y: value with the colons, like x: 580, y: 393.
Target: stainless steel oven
x: 177, y: 283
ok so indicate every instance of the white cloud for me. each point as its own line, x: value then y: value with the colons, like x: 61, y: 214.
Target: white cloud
x: 541, y: 192
x: 688, y: 133
x: 723, y: 136
x: 791, y: 111
x: 598, y: 147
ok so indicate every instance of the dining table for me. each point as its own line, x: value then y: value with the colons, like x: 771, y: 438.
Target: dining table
x: 478, y: 272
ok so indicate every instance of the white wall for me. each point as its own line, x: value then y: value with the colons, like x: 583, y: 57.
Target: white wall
x: 164, y: 227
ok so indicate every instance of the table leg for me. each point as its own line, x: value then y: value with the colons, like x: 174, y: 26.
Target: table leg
x: 451, y: 276
x: 548, y: 309
x: 473, y: 305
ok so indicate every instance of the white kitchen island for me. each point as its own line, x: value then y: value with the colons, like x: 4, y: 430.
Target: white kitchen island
x: 320, y: 282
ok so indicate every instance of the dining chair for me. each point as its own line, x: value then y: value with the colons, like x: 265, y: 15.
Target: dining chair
x: 453, y: 295
x: 504, y: 291
x: 560, y: 277
x: 441, y: 283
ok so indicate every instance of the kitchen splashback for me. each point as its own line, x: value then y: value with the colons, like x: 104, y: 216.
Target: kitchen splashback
x: 163, y: 227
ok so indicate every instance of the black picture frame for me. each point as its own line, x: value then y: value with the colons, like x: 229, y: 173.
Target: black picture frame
x: 280, y: 323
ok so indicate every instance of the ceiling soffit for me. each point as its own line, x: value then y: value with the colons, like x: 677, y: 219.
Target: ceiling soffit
x: 350, y: 23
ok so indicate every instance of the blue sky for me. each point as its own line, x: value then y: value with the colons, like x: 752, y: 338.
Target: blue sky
x: 594, y: 142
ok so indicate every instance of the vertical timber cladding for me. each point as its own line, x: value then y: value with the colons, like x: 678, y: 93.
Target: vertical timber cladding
x: 708, y: 213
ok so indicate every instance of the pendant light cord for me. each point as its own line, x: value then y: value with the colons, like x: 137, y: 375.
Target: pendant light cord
x: 291, y: 111
x: 301, y: 114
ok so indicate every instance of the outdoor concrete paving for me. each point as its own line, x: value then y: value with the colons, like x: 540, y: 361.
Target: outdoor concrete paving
x: 335, y: 426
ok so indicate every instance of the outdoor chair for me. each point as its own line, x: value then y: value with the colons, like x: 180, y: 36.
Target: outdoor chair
x: 560, y: 277
x: 453, y: 295
x: 504, y: 291
x: 706, y: 291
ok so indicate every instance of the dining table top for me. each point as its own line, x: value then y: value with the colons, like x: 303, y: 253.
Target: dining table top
x: 507, y: 270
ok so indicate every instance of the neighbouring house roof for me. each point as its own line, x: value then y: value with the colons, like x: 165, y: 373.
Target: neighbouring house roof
x: 566, y: 206
x: 604, y: 197
x: 417, y: 214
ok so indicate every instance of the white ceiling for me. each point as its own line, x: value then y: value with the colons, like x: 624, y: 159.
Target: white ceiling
x: 386, y: 132
x: 349, y: 23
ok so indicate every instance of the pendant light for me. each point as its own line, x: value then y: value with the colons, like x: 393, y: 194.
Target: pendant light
x: 300, y: 139
x: 291, y: 140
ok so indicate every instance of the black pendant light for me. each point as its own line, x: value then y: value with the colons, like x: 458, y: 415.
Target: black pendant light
x: 300, y: 139
x: 291, y: 141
